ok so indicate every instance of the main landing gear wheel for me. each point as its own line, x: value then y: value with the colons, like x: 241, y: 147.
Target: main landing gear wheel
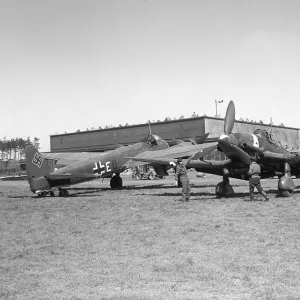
x: 224, y: 189
x: 285, y: 193
x: 116, y: 182
x: 63, y: 193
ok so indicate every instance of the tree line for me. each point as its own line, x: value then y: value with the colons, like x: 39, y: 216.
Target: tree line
x: 14, y: 148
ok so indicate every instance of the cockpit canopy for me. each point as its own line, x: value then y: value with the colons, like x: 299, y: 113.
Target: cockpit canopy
x: 152, y: 140
x: 267, y: 135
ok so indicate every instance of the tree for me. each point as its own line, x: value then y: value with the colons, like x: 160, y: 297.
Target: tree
x: 36, y: 142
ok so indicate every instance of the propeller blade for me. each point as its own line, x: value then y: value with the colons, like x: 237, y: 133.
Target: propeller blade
x: 229, y: 118
x: 242, y: 155
x: 203, y: 152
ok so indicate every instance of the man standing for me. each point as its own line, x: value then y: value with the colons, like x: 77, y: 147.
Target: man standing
x: 254, y: 180
x: 181, y: 175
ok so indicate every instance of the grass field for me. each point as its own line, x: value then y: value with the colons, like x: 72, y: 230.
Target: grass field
x: 140, y: 243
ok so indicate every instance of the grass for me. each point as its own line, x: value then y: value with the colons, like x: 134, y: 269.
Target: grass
x: 139, y: 243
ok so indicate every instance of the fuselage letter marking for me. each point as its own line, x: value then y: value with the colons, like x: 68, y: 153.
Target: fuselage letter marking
x: 108, y: 166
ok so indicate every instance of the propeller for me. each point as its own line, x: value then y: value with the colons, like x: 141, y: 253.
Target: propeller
x: 242, y: 155
x: 203, y: 152
x: 229, y: 118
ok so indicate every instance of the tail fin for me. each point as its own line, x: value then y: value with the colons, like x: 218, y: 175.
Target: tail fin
x: 37, y: 167
x: 36, y: 164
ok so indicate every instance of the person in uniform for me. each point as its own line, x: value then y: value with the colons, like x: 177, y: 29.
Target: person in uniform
x: 254, y: 180
x: 181, y: 175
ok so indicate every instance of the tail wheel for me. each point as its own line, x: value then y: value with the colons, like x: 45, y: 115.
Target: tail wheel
x: 63, y: 193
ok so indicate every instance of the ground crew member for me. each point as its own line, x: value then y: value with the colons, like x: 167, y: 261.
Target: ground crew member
x: 254, y: 180
x: 181, y: 174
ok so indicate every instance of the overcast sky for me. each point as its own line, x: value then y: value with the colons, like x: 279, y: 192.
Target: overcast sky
x: 70, y: 64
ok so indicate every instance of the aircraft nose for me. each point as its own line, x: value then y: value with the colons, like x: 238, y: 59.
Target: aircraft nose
x: 225, y: 141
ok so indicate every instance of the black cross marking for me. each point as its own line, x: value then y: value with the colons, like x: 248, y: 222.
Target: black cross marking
x: 99, y: 168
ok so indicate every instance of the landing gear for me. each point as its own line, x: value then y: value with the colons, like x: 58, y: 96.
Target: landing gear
x: 63, y: 193
x: 45, y: 193
x: 116, y: 182
x: 286, y: 185
x: 223, y: 188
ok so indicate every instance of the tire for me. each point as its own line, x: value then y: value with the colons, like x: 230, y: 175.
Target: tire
x: 63, y: 193
x: 151, y: 176
x: 116, y: 182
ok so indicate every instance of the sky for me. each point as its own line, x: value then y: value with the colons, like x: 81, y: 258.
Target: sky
x: 68, y: 64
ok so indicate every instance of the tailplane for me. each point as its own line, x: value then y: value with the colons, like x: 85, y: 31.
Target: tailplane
x: 37, y: 167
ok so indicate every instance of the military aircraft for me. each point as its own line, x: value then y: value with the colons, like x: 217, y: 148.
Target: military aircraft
x: 43, y: 177
x: 238, y: 148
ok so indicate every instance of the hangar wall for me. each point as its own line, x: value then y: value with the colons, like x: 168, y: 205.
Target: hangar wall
x: 107, y: 139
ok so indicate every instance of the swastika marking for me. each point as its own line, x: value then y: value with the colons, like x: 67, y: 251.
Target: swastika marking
x: 38, y: 159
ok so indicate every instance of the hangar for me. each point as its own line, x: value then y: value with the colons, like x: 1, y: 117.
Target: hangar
x: 110, y: 138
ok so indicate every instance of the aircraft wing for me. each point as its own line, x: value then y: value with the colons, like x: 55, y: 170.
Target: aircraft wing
x: 214, y: 167
x: 153, y: 161
x: 165, y: 160
x: 133, y: 164
x: 292, y: 159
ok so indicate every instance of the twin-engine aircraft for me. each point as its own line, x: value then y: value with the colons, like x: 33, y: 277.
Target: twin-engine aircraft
x: 43, y: 177
x: 239, y: 147
x: 79, y: 167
